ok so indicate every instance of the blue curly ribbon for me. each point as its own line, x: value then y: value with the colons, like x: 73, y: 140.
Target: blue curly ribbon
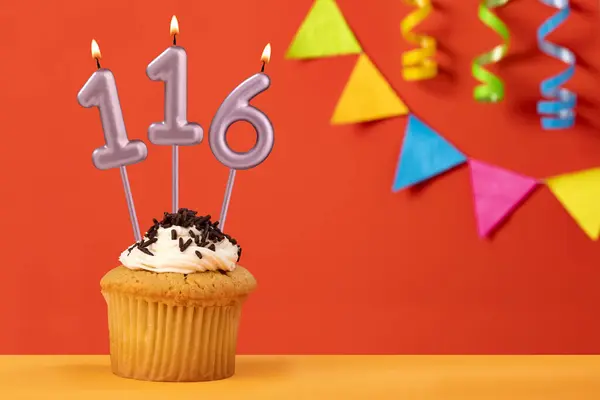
x: 557, y: 110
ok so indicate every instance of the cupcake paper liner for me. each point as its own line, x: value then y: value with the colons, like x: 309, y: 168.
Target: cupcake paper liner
x: 155, y: 341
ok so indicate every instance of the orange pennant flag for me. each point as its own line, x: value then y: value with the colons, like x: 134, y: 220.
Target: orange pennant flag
x: 367, y: 96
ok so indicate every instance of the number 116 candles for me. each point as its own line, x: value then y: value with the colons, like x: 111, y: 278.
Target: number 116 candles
x: 170, y: 67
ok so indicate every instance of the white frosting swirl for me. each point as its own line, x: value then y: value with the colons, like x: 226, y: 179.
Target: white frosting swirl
x: 167, y: 256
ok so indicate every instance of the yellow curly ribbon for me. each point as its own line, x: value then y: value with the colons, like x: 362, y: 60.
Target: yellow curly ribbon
x: 418, y: 64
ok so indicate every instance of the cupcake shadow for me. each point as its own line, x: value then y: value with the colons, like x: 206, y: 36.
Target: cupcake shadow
x: 252, y: 367
x: 99, y: 375
x: 85, y: 376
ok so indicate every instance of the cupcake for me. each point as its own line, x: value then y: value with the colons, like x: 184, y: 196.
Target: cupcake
x: 174, y: 304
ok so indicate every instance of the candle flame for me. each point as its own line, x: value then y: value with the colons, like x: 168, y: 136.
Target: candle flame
x: 174, y: 26
x: 266, y: 54
x: 96, y: 55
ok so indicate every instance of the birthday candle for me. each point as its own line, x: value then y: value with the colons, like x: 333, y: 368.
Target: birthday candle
x: 101, y: 91
x: 170, y: 67
x: 236, y: 108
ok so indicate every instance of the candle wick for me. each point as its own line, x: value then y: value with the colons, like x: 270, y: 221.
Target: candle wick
x: 262, y: 69
x: 98, y: 63
x: 175, y: 39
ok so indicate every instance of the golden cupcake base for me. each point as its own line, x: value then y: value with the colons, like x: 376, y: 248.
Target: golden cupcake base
x: 171, y: 327
x: 159, y: 342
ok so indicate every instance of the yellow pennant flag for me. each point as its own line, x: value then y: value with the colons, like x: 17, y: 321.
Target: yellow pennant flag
x: 579, y: 193
x: 367, y: 96
x: 324, y: 33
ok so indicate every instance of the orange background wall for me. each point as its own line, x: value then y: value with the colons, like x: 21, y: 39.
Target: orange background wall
x: 344, y: 265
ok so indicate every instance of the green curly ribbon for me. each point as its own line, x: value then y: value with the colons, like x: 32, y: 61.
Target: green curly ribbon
x: 491, y: 89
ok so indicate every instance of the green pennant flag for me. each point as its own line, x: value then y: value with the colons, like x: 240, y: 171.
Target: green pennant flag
x: 324, y: 33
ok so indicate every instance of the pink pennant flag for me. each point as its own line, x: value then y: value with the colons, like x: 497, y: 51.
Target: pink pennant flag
x: 497, y: 192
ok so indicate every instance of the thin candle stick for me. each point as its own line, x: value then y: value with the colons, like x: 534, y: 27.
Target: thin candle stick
x: 175, y: 149
x: 227, y: 198
x: 175, y: 178
x: 127, y: 188
x: 175, y: 165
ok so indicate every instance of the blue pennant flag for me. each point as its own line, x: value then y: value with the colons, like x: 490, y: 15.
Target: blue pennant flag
x: 425, y: 154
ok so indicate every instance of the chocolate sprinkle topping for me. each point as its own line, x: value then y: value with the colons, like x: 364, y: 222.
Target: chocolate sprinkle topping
x: 202, y: 220
x: 145, y: 250
x: 187, y: 218
x: 205, y: 233
x: 131, y: 248
x: 186, y: 245
x: 149, y: 242
x: 232, y: 240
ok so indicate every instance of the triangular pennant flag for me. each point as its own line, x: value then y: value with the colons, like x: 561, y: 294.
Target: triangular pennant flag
x: 579, y: 193
x: 424, y: 155
x: 367, y: 96
x: 324, y: 33
x: 497, y: 192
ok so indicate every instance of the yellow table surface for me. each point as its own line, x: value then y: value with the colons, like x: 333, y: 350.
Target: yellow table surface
x: 318, y: 377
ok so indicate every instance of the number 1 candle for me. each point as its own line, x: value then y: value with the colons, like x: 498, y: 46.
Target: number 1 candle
x: 101, y: 91
x: 171, y: 68
x: 236, y: 108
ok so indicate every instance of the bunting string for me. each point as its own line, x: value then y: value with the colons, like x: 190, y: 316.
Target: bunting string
x: 497, y: 192
x: 557, y: 110
x: 419, y: 63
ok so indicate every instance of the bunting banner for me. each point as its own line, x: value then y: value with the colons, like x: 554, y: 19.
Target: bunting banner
x: 324, y: 33
x: 497, y: 192
x: 367, y: 96
x: 424, y: 154
x: 579, y: 193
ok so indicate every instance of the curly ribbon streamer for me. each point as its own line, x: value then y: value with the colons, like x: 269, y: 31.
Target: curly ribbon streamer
x: 560, y: 102
x: 491, y: 88
x: 418, y: 64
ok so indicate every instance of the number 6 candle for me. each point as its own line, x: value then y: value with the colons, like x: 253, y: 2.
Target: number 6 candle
x: 171, y: 68
x: 101, y: 91
x: 236, y: 108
